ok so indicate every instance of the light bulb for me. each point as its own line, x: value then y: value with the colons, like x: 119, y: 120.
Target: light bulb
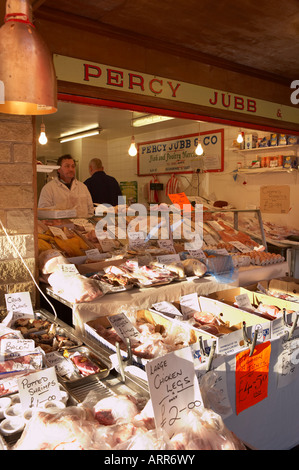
x: 133, y: 149
x: 240, y: 138
x: 199, y: 150
x: 42, y: 137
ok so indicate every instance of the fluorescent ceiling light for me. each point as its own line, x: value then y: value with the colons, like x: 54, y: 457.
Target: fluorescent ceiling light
x: 149, y: 119
x: 80, y: 135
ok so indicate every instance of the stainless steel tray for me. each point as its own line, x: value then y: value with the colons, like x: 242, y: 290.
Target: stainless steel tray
x: 95, y: 359
x: 61, y: 328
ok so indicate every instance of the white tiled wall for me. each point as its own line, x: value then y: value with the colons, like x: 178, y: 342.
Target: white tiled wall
x: 240, y: 190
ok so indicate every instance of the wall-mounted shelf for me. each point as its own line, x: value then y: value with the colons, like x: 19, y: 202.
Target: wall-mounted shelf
x: 276, y: 169
x: 46, y: 168
x: 266, y: 149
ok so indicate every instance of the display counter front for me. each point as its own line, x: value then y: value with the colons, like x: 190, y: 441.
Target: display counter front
x: 137, y: 298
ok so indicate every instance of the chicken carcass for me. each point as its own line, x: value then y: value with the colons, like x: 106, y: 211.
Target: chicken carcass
x: 113, y: 410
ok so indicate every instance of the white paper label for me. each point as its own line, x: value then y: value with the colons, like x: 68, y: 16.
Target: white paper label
x: 189, y: 304
x: 167, y: 245
x: 241, y: 247
x: 16, y: 347
x: 123, y: 327
x: 19, y: 302
x: 174, y: 389
x: 63, y: 366
x: 58, y: 232
x: 197, y: 254
x: 169, y: 259
x: 93, y: 254
x: 243, y: 301
x: 167, y: 308
x: 38, y: 388
x: 68, y: 268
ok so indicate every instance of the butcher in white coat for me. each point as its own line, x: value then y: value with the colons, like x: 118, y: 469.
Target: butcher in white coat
x: 65, y: 191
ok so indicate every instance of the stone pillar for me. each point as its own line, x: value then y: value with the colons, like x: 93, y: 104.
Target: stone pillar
x: 17, y: 205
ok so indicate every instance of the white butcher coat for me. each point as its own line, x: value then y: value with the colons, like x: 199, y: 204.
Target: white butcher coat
x: 56, y: 195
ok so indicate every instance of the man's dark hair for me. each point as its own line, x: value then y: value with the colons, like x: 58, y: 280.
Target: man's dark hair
x: 67, y: 156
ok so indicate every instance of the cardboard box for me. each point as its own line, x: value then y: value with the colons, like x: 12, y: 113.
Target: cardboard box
x: 232, y: 317
x: 284, y: 285
x: 290, y: 161
x: 251, y: 141
x: 228, y: 297
x: 87, y: 268
x: 160, y: 323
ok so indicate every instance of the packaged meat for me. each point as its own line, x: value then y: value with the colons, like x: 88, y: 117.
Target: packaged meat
x: 72, y: 428
x: 204, y: 429
x: 74, y: 287
x: 84, y: 364
x: 194, y: 267
x: 32, y: 361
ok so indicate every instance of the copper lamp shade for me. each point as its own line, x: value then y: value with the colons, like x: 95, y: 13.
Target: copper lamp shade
x: 26, y: 65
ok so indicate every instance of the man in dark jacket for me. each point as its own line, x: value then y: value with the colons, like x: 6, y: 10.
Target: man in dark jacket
x: 104, y: 189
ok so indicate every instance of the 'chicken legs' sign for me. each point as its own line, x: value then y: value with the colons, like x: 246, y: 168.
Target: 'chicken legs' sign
x: 174, y: 390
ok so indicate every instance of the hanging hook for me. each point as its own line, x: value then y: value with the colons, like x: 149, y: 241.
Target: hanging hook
x: 129, y: 358
x: 201, y: 347
x: 120, y: 362
x: 253, y: 343
x: 293, y: 326
x: 211, y: 356
x: 245, y: 336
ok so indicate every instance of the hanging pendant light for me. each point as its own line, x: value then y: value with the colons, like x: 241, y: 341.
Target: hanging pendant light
x: 133, y: 149
x: 199, y: 149
x: 26, y: 65
x: 240, y: 137
x: 43, y: 139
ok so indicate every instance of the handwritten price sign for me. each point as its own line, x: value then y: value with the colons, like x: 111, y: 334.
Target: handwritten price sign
x: 174, y: 389
x: 252, y: 376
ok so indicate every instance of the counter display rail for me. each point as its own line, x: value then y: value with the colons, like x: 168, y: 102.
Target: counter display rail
x: 259, y: 320
x: 96, y: 412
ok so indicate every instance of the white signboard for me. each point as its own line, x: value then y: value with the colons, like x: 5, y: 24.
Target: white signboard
x: 39, y: 387
x: 174, y: 389
x: 177, y: 154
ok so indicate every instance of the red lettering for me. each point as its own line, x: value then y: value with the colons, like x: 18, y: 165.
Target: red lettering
x: 156, y: 92
x: 239, y: 102
x: 115, y: 78
x: 251, y: 106
x: 139, y: 82
x: 223, y: 101
x: 87, y: 73
x: 174, y: 90
x: 215, y: 98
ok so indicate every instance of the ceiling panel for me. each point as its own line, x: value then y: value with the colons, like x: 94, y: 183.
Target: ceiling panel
x: 263, y: 35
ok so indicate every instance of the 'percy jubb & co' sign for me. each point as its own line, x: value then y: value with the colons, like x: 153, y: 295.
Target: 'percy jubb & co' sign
x: 177, y: 154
